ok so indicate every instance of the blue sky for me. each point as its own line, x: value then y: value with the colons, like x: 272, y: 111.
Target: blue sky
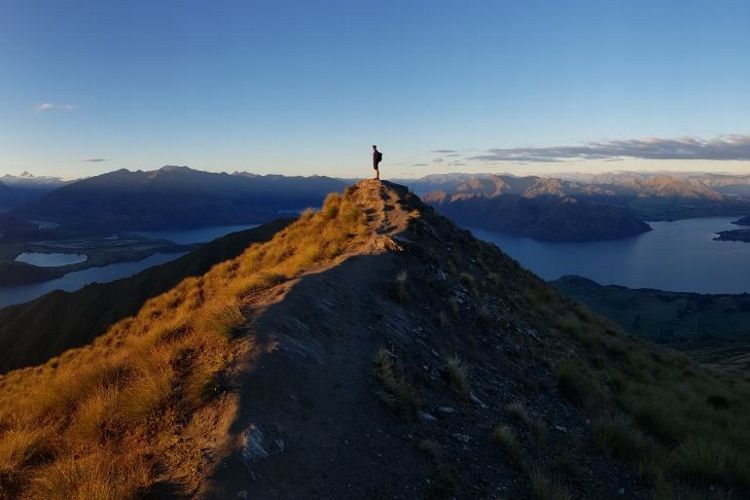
x: 306, y: 87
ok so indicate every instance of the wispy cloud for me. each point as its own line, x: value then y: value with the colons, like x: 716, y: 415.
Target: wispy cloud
x: 444, y: 151
x: 420, y: 164
x: 733, y: 147
x: 48, y: 106
x: 95, y: 160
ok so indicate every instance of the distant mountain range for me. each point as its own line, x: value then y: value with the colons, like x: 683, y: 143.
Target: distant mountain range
x: 576, y: 207
x: 552, y: 218
x: 18, y: 189
x: 176, y: 197
x: 570, y: 210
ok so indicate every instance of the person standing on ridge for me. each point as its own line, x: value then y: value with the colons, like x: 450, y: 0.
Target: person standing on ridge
x: 377, y: 157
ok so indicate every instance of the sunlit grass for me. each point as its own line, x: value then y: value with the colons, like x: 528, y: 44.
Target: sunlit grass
x: 91, y: 422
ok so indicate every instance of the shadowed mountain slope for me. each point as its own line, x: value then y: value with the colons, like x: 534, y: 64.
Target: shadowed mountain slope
x: 371, y: 349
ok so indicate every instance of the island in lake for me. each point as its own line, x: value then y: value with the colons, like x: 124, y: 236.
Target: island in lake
x: 736, y: 234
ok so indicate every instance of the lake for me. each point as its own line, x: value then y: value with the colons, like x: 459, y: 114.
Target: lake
x: 190, y: 236
x: 76, y: 280
x: 71, y: 282
x: 53, y: 259
x: 677, y: 256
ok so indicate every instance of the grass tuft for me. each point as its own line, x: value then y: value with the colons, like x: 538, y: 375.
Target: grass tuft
x: 457, y: 377
x: 397, y: 392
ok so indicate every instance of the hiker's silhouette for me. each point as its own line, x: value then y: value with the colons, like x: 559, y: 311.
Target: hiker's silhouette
x: 377, y: 157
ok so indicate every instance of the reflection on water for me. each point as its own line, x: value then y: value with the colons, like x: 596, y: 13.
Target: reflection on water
x: 678, y: 256
x: 50, y: 259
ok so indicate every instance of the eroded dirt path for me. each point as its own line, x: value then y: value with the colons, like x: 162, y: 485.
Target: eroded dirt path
x: 311, y: 402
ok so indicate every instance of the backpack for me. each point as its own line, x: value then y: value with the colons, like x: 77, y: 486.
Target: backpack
x: 379, y: 157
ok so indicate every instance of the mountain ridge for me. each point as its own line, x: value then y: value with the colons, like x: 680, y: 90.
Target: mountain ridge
x: 370, y: 348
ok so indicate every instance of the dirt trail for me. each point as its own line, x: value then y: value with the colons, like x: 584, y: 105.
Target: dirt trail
x: 313, y: 395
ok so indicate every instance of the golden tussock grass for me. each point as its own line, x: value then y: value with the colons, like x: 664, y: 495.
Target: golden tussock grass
x: 96, y: 421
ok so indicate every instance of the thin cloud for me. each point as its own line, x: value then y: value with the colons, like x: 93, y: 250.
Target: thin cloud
x: 420, y: 164
x: 733, y: 147
x: 48, y: 106
x: 444, y: 151
x: 437, y: 160
x: 95, y: 160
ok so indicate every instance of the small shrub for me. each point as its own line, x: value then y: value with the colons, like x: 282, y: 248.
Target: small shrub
x: 443, y: 319
x: 93, y: 413
x: 576, y: 385
x: 718, y: 401
x: 20, y: 447
x: 397, y: 392
x: 430, y: 447
x: 331, y: 205
x: 518, y: 411
x: 618, y: 437
x: 456, y: 375
x: 659, y: 417
x: 485, y: 315
x: 704, y: 461
x: 222, y: 320
x: 399, y: 290
x: 99, y: 474
x: 504, y: 436
x: 468, y: 280
x: 443, y: 484
x: 454, y: 306
x: 545, y: 488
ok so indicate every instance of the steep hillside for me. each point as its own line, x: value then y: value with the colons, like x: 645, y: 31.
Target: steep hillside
x: 371, y: 349
x: 176, y: 197
x: 38, y: 330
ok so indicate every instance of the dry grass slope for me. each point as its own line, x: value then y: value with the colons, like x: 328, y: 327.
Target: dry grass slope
x: 109, y: 420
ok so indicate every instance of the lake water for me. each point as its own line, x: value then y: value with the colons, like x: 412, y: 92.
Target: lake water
x: 50, y: 259
x: 677, y: 256
x: 190, y: 236
x: 71, y: 282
